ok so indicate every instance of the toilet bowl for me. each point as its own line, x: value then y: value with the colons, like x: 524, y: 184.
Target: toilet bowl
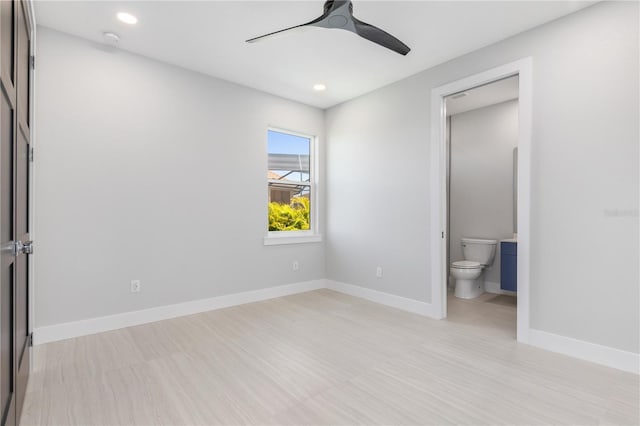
x: 468, y: 274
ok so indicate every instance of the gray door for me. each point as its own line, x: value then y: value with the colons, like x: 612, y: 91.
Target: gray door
x: 14, y: 207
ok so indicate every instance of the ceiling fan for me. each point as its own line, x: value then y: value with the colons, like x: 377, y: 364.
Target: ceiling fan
x: 339, y: 14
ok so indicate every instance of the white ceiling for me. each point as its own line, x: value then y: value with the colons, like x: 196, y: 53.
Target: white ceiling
x: 209, y: 36
x: 482, y: 96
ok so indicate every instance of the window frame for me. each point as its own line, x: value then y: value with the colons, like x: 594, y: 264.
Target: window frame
x: 310, y: 235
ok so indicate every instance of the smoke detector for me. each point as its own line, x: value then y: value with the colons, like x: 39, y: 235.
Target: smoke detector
x: 111, y: 38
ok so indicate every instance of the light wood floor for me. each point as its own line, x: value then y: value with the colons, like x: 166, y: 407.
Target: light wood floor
x: 323, y: 358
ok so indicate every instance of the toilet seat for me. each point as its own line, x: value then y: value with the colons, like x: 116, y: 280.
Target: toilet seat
x: 466, y: 264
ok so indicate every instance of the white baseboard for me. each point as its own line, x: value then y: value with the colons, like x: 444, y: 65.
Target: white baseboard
x: 491, y: 287
x: 113, y: 322
x: 399, y: 302
x: 604, y: 355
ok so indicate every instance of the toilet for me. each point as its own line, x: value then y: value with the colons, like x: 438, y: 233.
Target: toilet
x: 468, y: 273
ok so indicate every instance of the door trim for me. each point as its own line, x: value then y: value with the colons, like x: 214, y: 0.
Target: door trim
x: 438, y: 223
x: 30, y: 11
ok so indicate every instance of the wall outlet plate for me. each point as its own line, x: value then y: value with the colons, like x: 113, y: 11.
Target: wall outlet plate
x: 135, y: 286
x: 379, y: 272
x: 295, y: 266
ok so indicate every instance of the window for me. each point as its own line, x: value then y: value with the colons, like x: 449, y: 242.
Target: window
x: 291, y: 187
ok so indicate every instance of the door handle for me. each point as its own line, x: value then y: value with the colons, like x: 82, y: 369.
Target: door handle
x: 20, y: 247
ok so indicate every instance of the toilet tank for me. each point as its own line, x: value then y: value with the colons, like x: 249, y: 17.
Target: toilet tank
x: 479, y: 250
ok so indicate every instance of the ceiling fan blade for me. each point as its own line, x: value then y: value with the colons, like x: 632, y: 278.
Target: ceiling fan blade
x: 286, y: 30
x: 380, y: 37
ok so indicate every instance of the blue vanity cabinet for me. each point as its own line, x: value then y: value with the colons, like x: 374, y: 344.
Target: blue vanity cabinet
x: 509, y: 266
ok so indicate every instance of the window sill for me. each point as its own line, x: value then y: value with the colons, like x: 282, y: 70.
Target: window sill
x: 277, y: 239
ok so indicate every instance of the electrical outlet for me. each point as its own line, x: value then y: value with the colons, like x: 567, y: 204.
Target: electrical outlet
x: 379, y: 272
x: 295, y: 265
x: 135, y: 286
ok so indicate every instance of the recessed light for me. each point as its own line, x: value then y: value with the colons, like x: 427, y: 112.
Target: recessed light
x: 459, y: 95
x: 319, y: 87
x: 127, y: 18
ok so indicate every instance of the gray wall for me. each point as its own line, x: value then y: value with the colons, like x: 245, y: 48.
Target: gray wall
x: 148, y: 171
x: 482, y: 143
x: 584, y: 214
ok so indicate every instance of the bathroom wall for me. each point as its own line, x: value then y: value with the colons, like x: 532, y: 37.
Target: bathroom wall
x: 481, y: 203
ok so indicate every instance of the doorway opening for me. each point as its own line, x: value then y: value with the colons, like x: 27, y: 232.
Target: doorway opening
x: 480, y: 182
x: 482, y: 144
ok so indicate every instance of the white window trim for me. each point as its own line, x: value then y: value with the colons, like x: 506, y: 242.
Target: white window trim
x: 274, y: 238
x: 312, y: 235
